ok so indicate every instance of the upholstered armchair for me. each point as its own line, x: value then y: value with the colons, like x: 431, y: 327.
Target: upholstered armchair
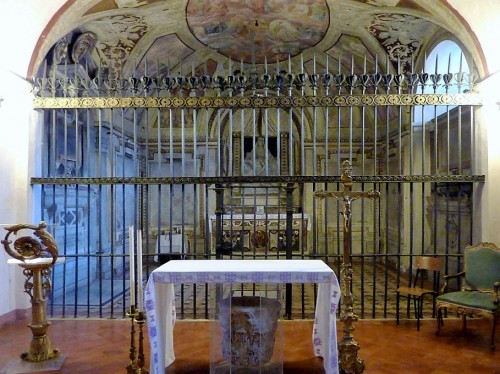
x: 479, y: 293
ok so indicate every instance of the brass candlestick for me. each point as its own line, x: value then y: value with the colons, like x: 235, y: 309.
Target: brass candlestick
x: 131, y: 368
x: 141, y: 319
x: 137, y: 356
x: 36, y: 258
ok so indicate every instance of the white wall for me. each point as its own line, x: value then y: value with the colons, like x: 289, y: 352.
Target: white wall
x: 8, y: 277
x: 487, y: 162
x: 483, y: 17
x: 18, y: 38
x: 14, y: 196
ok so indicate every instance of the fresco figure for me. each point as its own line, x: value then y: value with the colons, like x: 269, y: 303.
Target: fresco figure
x: 257, y: 165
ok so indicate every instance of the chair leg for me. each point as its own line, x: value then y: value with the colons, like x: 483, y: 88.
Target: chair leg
x: 464, y: 323
x: 493, y: 327
x: 439, y: 320
x: 397, y: 308
x: 419, y: 312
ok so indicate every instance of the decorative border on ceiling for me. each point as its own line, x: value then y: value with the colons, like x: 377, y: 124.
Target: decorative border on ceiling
x: 262, y: 179
x: 400, y: 35
x: 258, y: 101
x: 124, y: 32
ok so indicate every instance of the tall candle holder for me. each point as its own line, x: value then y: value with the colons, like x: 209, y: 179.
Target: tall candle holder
x: 141, y: 319
x: 131, y: 367
x: 36, y: 257
x: 136, y: 353
x: 136, y: 315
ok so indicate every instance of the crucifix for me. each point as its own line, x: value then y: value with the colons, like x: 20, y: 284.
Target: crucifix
x: 349, y: 361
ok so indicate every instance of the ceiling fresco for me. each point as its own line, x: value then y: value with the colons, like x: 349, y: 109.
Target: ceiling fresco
x: 253, y: 30
x: 164, y: 52
x: 205, y: 35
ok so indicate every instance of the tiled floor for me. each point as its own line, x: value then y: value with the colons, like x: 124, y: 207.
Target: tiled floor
x: 102, y: 347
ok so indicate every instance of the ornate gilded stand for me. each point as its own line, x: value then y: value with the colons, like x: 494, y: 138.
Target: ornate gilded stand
x: 349, y: 361
x: 36, y: 258
x: 137, y: 357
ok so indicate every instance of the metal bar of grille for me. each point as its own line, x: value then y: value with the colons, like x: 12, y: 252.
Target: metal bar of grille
x: 77, y: 258
x: 352, y: 86
x: 362, y: 253
x: 112, y: 248
x: 290, y: 141
x: 195, y: 142
x: 339, y: 118
x: 183, y: 143
x: 375, y: 122
x: 219, y: 150
x: 400, y: 140
x: 121, y: 200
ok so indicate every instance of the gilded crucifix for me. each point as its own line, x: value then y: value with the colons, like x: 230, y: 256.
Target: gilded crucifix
x: 348, y: 348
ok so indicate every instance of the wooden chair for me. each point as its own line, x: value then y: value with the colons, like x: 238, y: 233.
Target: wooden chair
x: 416, y: 290
x: 479, y: 291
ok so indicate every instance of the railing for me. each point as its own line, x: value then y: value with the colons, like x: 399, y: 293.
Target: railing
x: 217, y: 221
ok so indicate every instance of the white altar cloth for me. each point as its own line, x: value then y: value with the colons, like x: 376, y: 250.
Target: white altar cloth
x: 160, y: 299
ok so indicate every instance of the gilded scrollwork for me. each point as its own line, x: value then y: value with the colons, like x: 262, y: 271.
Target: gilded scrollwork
x: 27, y: 247
x: 256, y: 102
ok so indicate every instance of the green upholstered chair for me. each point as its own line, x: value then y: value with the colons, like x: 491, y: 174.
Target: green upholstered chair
x: 480, y: 285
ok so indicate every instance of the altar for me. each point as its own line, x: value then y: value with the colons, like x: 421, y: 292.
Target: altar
x: 249, y: 232
x: 160, y: 299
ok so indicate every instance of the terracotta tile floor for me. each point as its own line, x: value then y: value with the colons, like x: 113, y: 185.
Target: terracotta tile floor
x: 102, y: 346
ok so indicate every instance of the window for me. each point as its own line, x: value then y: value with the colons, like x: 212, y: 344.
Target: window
x: 446, y: 57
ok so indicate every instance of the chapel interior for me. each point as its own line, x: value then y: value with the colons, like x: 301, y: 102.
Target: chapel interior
x: 232, y: 130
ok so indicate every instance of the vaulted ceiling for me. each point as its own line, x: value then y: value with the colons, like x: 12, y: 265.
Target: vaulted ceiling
x: 207, y: 36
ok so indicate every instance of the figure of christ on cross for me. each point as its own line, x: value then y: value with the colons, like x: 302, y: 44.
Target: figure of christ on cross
x: 349, y: 361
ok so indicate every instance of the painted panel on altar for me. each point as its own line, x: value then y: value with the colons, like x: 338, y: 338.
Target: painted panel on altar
x: 260, y: 232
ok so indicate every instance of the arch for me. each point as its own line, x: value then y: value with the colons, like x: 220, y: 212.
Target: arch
x: 77, y: 12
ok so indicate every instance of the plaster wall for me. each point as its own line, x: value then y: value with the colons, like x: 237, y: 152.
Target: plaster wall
x: 16, y: 125
x: 487, y: 161
x: 15, y: 194
x: 483, y: 17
